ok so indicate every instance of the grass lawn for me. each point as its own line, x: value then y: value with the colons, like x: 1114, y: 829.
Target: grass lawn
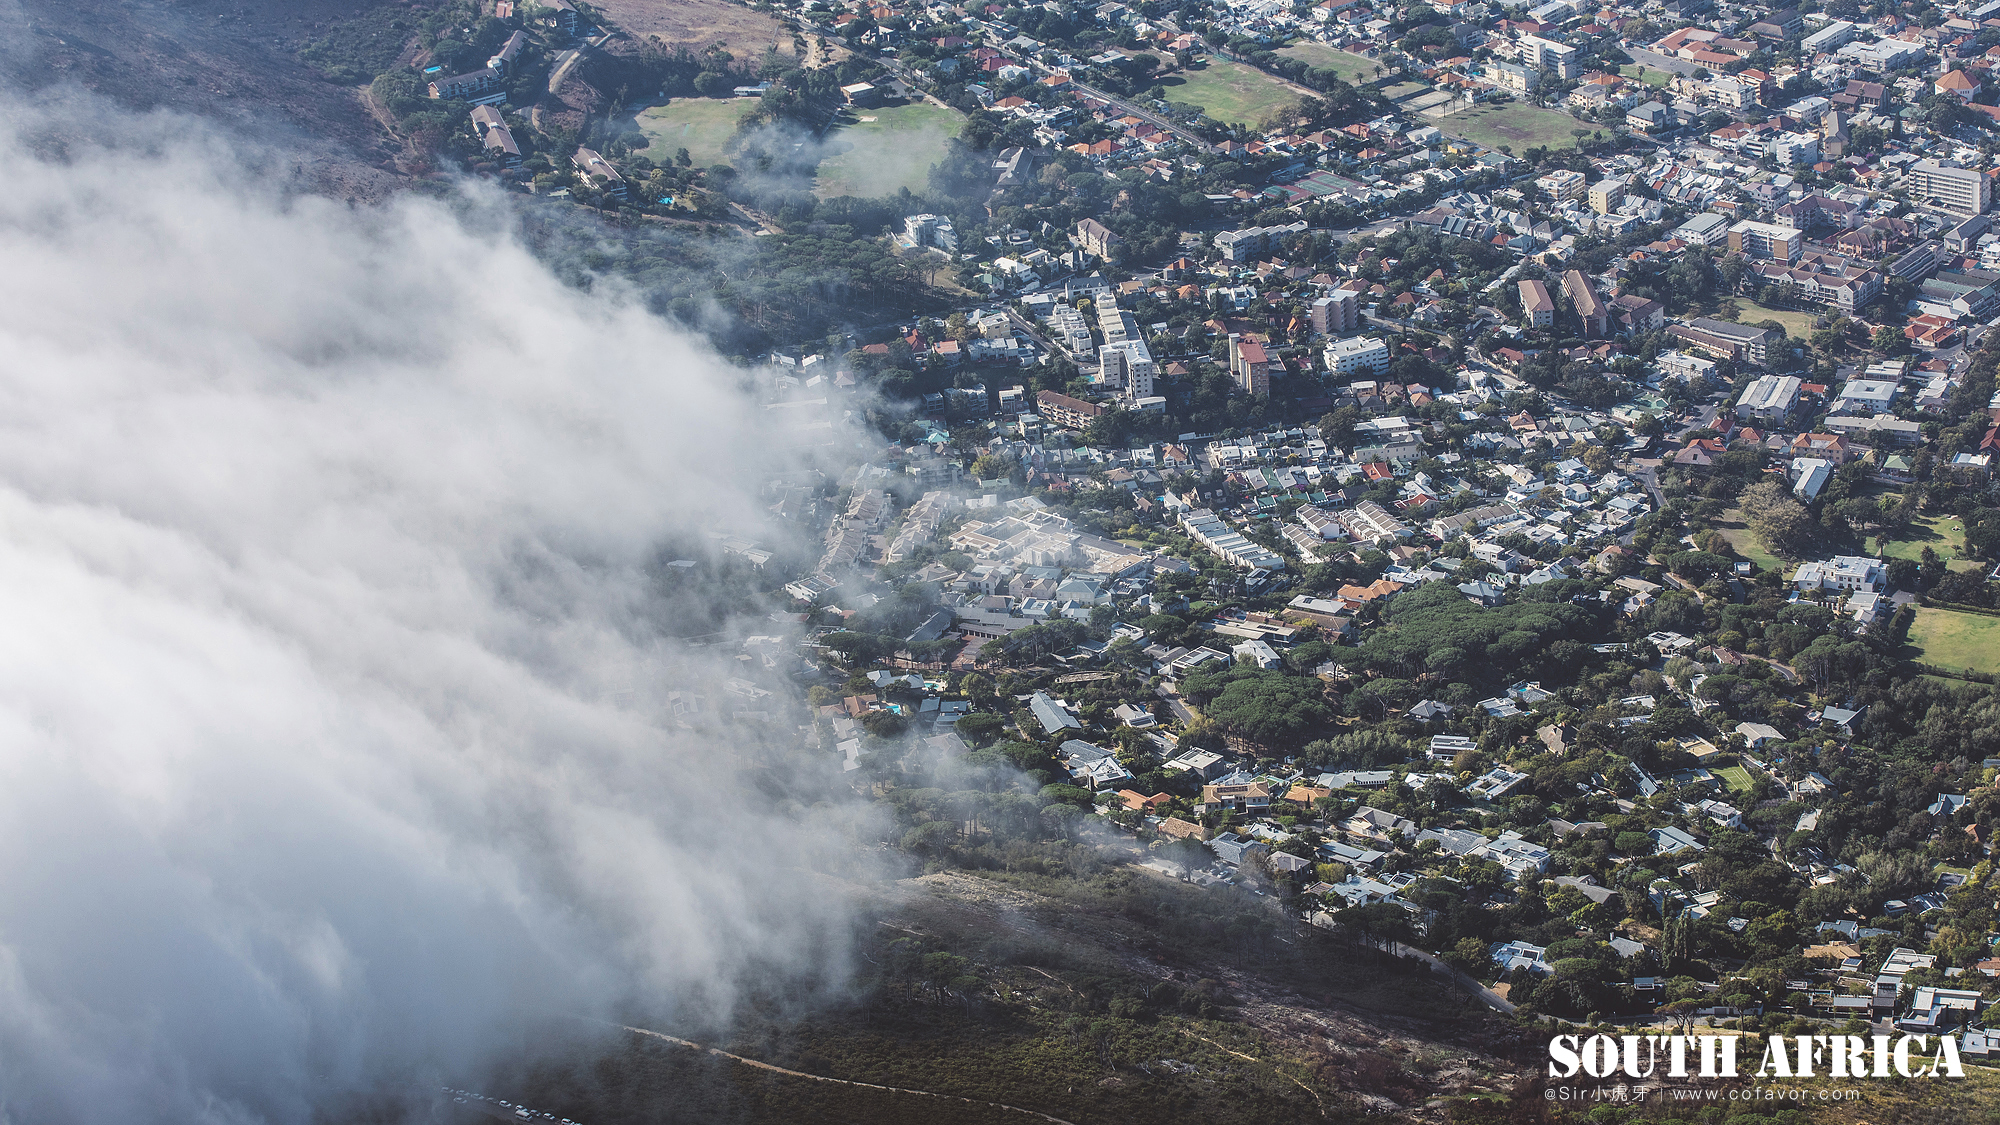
x: 886, y: 149
x: 1230, y: 92
x: 1738, y: 533
x: 1941, y: 533
x: 1951, y: 639
x: 1351, y: 66
x: 1649, y: 77
x: 1516, y: 125
x: 700, y: 125
x: 1798, y: 324
x: 1736, y: 777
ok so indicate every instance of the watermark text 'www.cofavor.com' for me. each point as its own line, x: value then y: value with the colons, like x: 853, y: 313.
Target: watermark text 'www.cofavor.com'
x: 1701, y: 1094
x: 1793, y: 1056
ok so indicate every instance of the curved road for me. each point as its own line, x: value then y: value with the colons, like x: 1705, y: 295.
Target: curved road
x: 896, y: 68
x: 1492, y: 999
x: 1144, y: 115
x: 558, y: 74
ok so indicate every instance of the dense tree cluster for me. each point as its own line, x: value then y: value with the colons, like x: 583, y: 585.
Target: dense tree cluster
x: 1432, y: 632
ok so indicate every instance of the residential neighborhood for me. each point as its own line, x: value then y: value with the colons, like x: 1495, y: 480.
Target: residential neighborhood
x: 1509, y: 480
x: 1496, y: 547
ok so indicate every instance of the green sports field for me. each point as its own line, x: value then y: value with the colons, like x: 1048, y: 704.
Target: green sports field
x: 1798, y: 324
x: 1230, y: 92
x: 700, y: 125
x: 1951, y: 639
x: 1736, y: 777
x: 1350, y: 66
x: 1516, y: 125
x: 887, y: 149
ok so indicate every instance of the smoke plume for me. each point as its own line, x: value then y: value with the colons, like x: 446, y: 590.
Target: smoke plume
x: 333, y: 747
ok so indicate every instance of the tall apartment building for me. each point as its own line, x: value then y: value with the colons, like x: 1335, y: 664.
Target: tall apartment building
x: 1964, y: 190
x: 1606, y: 194
x: 1340, y: 311
x: 1763, y: 240
x: 1067, y: 326
x: 1545, y: 54
x: 1787, y: 149
x: 1097, y: 238
x: 1249, y: 366
x: 1590, y: 306
x: 1537, y: 305
x: 1117, y: 325
x: 1127, y: 366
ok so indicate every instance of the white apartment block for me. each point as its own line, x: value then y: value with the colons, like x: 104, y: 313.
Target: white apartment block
x: 1964, y: 190
x: 931, y: 230
x: 1706, y: 229
x: 1765, y: 240
x: 1562, y: 185
x: 1544, y: 54
x: 1369, y: 522
x: 1788, y: 149
x: 1507, y: 76
x: 1362, y: 353
x: 1127, y: 366
x: 1769, y: 399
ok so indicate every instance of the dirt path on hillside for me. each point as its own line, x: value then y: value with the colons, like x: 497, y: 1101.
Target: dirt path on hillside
x: 845, y: 1082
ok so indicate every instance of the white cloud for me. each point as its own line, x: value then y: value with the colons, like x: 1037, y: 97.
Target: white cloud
x: 322, y: 537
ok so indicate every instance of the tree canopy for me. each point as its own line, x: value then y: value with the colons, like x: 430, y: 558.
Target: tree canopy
x: 1269, y: 707
x: 1433, y: 629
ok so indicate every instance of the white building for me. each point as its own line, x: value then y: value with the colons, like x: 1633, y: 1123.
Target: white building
x: 1964, y: 190
x: 1545, y: 54
x: 931, y: 230
x: 1680, y: 365
x: 1518, y: 857
x: 1362, y: 353
x: 1770, y: 398
x: 1208, y: 530
x: 1369, y: 522
x: 1872, y: 394
x: 1809, y: 476
x: 1841, y: 572
x: 1788, y: 149
x: 1127, y: 365
x: 1831, y: 37
x: 1706, y: 229
x: 1562, y: 184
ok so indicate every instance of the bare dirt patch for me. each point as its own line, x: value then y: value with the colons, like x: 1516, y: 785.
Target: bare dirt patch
x: 699, y: 24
